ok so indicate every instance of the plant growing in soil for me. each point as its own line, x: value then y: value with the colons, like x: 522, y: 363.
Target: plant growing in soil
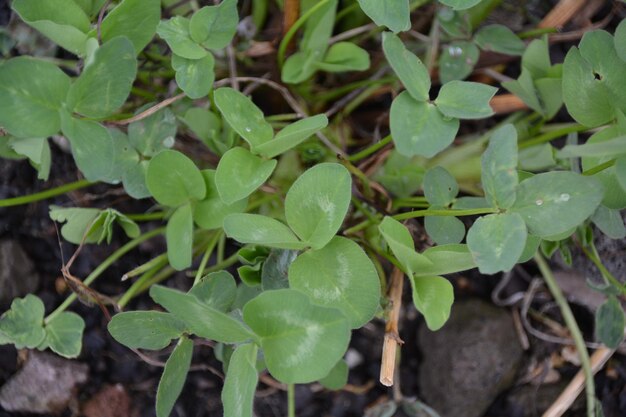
x: 318, y: 225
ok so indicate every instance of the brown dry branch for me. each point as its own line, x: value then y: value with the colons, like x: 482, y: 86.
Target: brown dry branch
x: 392, y: 338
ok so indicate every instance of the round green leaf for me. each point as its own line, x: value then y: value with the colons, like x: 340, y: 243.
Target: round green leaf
x: 440, y: 187
x: 497, y: 241
x: 176, y: 33
x: 465, y: 100
x: 194, y: 76
x: 292, y: 135
x: 337, y: 378
x: 433, y: 297
x: 301, y: 341
x: 22, y: 325
x: 419, y: 128
x: 620, y: 172
x: 241, y: 381
x: 64, y: 334
x: 340, y: 275
x: 261, y: 230
x: 610, y: 222
x: 446, y: 259
x: 610, y: 323
x: 317, y: 203
x: 444, y: 229
x: 152, y: 330
x: 31, y: 94
x: 344, y: 56
x: 173, y: 378
x: 239, y: 173
x: 401, y: 244
x: 179, y: 238
x: 174, y: 179
x: 135, y: 19
x: 217, y: 290
x: 209, y: 213
x: 457, y: 60
x: 407, y: 66
x: 499, y: 167
x: 154, y: 133
x: 395, y: 14
x: 499, y: 38
x: 619, y: 39
x: 554, y: 202
x: 215, y: 26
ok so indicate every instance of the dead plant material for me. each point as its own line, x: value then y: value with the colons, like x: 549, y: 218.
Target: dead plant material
x: 392, y: 338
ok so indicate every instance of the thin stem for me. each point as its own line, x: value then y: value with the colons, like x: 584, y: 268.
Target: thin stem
x: 599, y: 168
x: 570, y: 321
x: 370, y: 149
x: 548, y: 136
x: 593, y: 257
x: 205, y: 258
x: 148, y: 112
x: 291, y: 400
x: 424, y: 213
x: 103, y: 266
x: 43, y: 195
x: 139, y: 284
x: 157, y: 260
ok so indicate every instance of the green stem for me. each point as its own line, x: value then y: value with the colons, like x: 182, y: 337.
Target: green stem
x: 570, y: 321
x: 145, y: 266
x: 207, y: 254
x: 291, y: 400
x: 370, y: 149
x: 282, y: 48
x: 593, y: 257
x: 548, y: 136
x: 145, y: 217
x: 424, y: 213
x: 599, y: 168
x: 43, y: 195
x: 104, y: 265
x: 137, y: 285
x: 536, y: 32
x: 230, y: 261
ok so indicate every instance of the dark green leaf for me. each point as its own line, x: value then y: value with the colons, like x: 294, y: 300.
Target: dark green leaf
x: 179, y: 238
x: 209, y: 213
x: 152, y: 330
x: 610, y: 323
x: 337, y: 378
x: 173, y: 378
x: 274, y: 272
x: 401, y: 244
x: 446, y: 259
x: 135, y: 19
x: 433, y: 297
x: 619, y: 40
x: 344, y: 56
x: 194, y: 76
x: 215, y: 26
x: 499, y: 38
x: 154, y: 133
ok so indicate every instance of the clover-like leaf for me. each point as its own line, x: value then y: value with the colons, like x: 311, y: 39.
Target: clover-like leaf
x: 444, y: 229
x: 64, y: 334
x: 619, y: 40
x: 610, y: 322
x: 215, y: 26
x: 457, y: 60
x: 179, y: 238
x: 395, y: 14
x: 465, y: 100
x: 401, y: 243
x: 239, y: 173
x: 610, y: 222
x: 241, y: 381
x: 174, y: 179
x: 135, y: 19
x: 22, y: 324
x: 194, y: 76
x: 217, y: 290
x: 261, y: 230
x: 499, y: 167
x: 408, y: 67
x: 175, y: 32
x: 446, y: 259
x: 292, y: 135
x: 344, y: 56
x: 499, y: 38
x: 440, y: 187
x: 174, y: 376
x: 209, y: 213
x: 243, y: 116
x: 433, y: 297
x: 152, y: 330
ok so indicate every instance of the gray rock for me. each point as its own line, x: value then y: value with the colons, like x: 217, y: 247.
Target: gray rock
x: 17, y: 272
x: 533, y: 400
x: 467, y: 363
x: 45, y: 384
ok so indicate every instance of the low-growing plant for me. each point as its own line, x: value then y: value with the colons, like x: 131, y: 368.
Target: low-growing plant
x: 315, y: 246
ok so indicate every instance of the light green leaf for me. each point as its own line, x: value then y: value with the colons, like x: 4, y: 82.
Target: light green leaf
x: 610, y: 222
x: 610, y: 323
x: 455, y: 23
x: 444, y: 229
x: 37, y: 150
x: 407, y: 66
x: 173, y: 378
x: 457, y: 60
x: 154, y: 133
x: 175, y: 32
x: 499, y: 167
x: 31, y: 94
x: 215, y: 26
x: 497, y: 241
x: 536, y: 58
x: 106, y: 81
x: 394, y: 14
x: 524, y: 88
x: 619, y: 40
x: 152, y: 330
x: 135, y: 19
x: 92, y: 147
x: 536, y: 158
x: 499, y: 38
x: 465, y: 100
x: 243, y: 116
x: 209, y: 213
x: 620, y: 172
x: 179, y: 238
x: 134, y: 180
x: 64, y: 334
x: 201, y: 319
x: 440, y: 187
x: 239, y: 173
x: 261, y: 230
x: 344, y: 56
x: 337, y: 378
x: 77, y: 221
x: 301, y: 341
x: 446, y: 259
x: 401, y: 175
x: 460, y: 4
x: 550, y: 90
x: 433, y: 297
x: 101, y: 228
x: 206, y: 126
x: 401, y: 244
x: 194, y: 76
x: 607, y: 148
x: 317, y: 203
x: 419, y: 128
x: 530, y: 249
x: 217, y: 290
x: 63, y: 21
x: 299, y: 67
x: 241, y: 381
x: 292, y: 135
x: 341, y: 276
x: 319, y: 27
x: 22, y: 325
x: 554, y: 202
x: 173, y: 179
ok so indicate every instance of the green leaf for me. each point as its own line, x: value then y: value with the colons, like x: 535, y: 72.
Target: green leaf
x: 460, y: 4
x: 179, y: 238
x: 620, y: 172
x: 344, y: 56
x: 101, y: 227
x: 23, y: 323
x: 201, y: 319
x: 401, y: 175
x: 291, y: 136
x: 401, y: 243
x: 408, y: 67
x: 299, y: 67
x: 536, y: 158
x: 209, y: 213
x: 446, y: 259
x: 317, y: 203
x: 92, y: 147
x: 530, y: 249
x: 239, y: 173
x: 37, y: 150
x: 499, y: 38
x: 217, y: 290
x: 440, y: 187
x: 554, y: 202
x: 444, y: 229
x: 319, y: 27
x: 173, y: 179
x: 524, y: 88
x: 341, y: 276
x: 173, y: 378
x: 206, y: 126
x: 433, y: 297
x: 243, y: 116
x: 419, y: 128
x: 395, y: 14
x: 152, y: 330
x: 337, y: 378
x: 63, y: 21
x: 275, y: 268
x: 619, y: 40
x: 106, y: 81
x: 610, y: 323
x: 455, y: 23
x: 194, y: 76
x: 241, y: 381
x: 499, y: 167
x: 536, y: 58
x: 134, y: 180
x: 78, y: 220
x: 215, y: 26
x: 550, y: 90
x: 457, y: 60
x: 465, y: 100
x: 64, y: 334
x: 497, y: 241
x: 153, y: 134
x: 31, y: 94
x: 611, y: 148
x: 135, y: 19
x: 175, y: 32
x: 261, y: 230
x: 301, y: 341
x: 610, y: 222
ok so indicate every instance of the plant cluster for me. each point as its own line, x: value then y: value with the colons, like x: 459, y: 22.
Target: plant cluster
x: 303, y: 288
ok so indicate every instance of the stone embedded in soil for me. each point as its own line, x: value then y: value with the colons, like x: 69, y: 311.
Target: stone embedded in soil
x: 110, y: 401
x: 46, y: 384
x: 17, y: 272
x: 467, y: 363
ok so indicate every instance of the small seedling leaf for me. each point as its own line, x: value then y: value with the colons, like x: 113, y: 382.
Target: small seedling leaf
x: 444, y: 229
x: 292, y: 135
x: 175, y: 32
x: 499, y: 38
x: 457, y: 61
x: 217, y: 290
x: 154, y: 133
x: 209, y: 213
x: 401, y: 244
x: 610, y: 323
x: 214, y: 26
x: 64, y: 334
x: 446, y: 259
x: 440, y: 187
x: 344, y: 56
